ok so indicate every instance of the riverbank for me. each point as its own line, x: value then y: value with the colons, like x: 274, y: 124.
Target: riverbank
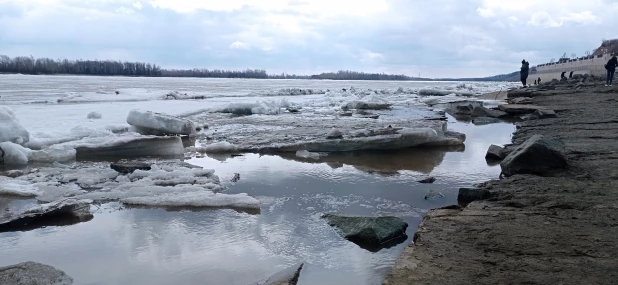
x: 557, y: 229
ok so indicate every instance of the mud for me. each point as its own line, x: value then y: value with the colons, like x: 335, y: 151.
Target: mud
x: 556, y: 229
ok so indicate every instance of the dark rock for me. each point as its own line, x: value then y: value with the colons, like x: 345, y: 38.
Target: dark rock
x: 288, y: 276
x: 485, y: 112
x: 293, y: 109
x: 368, y: 232
x: 63, y: 212
x: 520, y: 93
x: 428, y: 180
x: 537, y: 155
x: 494, y: 152
x: 127, y: 168
x: 554, y: 82
x: 517, y: 109
x: 464, y: 110
x: 543, y: 114
x: 469, y: 195
x: 32, y: 273
x: 485, y: 121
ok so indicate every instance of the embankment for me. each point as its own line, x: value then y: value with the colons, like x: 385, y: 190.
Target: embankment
x: 558, y: 229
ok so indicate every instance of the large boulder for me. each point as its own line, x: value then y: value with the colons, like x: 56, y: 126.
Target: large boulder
x: 150, y: 123
x: 537, y: 155
x: 61, y: 212
x: 485, y: 112
x: 32, y: 273
x: 288, y: 276
x: 469, y: 195
x: 494, y: 152
x: 368, y: 232
x: 10, y: 129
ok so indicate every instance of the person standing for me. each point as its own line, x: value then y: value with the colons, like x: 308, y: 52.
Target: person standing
x: 525, y: 66
x: 611, y: 69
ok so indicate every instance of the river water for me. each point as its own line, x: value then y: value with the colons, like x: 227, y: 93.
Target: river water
x: 124, y: 245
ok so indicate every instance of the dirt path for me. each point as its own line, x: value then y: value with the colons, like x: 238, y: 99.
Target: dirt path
x: 561, y: 229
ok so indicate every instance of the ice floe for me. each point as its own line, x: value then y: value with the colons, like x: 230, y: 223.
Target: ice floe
x: 10, y: 129
x: 150, y: 123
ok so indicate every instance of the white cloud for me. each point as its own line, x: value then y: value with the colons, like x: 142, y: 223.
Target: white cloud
x: 485, y: 13
x: 240, y: 45
x: 137, y: 5
x: 543, y: 19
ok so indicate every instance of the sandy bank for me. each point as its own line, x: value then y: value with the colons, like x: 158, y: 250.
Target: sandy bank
x: 559, y: 229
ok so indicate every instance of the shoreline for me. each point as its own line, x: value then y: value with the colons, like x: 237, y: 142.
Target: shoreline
x: 557, y: 229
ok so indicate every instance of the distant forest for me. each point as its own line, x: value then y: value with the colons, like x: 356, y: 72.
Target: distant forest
x: 30, y: 65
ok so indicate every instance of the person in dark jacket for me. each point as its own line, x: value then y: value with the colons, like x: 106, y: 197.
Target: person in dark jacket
x: 525, y: 66
x: 611, y: 69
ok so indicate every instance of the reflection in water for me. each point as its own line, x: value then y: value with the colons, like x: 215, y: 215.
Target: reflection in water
x: 155, y: 246
x: 388, y: 162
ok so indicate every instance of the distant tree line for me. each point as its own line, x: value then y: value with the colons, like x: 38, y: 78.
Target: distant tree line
x: 30, y: 65
x: 353, y: 75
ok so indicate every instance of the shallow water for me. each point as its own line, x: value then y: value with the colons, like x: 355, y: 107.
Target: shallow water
x: 155, y: 246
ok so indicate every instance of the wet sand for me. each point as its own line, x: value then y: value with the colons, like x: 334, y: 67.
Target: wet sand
x: 558, y: 229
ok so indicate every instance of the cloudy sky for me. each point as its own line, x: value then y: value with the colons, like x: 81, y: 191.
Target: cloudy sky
x: 437, y: 38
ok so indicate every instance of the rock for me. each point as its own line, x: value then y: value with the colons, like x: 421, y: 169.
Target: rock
x: 485, y: 121
x: 127, y: 168
x: 287, y: 276
x: 543, y: 114
x: 32, y: 273
x: 494, y: 152
x: 485, y: 112
x: 334, y: 134
x: 293, y: 109
x: 469, y: 195
x: 433, y: 195
x: 65, y: 211
x: 520, y: 100
x: 537, y: 155
x: 150, y: 123
x: 517, y: 109
x: 520, y: 93
x: 428, y: 180
x: 94, y: 115
x: 463, y: 110
x: 368, y: 232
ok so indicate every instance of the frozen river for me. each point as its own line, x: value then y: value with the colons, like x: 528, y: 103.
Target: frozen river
x: 151, y: 245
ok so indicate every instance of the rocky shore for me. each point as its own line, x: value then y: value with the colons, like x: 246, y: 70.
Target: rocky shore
x: 559, y: 227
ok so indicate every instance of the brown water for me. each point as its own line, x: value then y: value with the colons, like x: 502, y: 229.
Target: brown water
x: 156, y: 246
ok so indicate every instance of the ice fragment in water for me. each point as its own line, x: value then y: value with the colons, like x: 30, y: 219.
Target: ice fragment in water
x: 150, y: 123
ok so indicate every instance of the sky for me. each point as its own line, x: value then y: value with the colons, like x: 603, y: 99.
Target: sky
x: 430, y: 38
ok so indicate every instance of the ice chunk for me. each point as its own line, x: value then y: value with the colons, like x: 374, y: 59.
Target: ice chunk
x: 10, y: 129
x: 129, y: 146
x: 365, y: 105
x: 218, y: 147
x: 51, y: 193
x: 270, y: 107
x: 12, y: 186
x: 150, y: 123
x: 334, y: 134
x: 197, y: 199
x: 53, y: 154
x: 436, y: 92
x: 94, y: 115
x: 11, y: 153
